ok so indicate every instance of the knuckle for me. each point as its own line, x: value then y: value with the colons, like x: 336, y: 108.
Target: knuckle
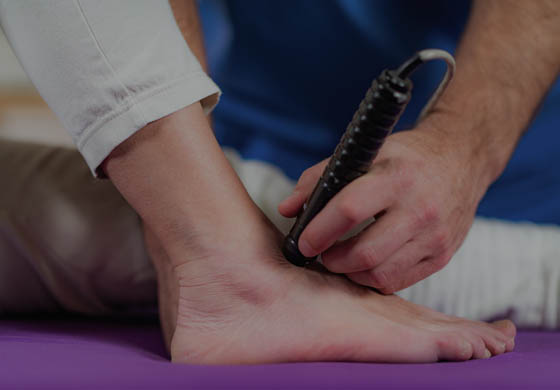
x: 406, y: 180
x: 349, y: 210
x: 368, y: 257
x: 446, y: 256
x: 427, y: 214
x: 442, y: 260
x: 436, y: 264
x: 440, y: 240
x: 397, y: 172
x: 308, y: 177
x: 433, y: 267
x: 430, y: 213
x: 392, y: 277
x: 380, y: 279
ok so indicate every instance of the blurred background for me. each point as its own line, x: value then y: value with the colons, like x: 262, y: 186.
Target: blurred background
x: 23, y: 113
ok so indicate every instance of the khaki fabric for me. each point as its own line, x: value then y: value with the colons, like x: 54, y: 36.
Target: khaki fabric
x: 67, y: 241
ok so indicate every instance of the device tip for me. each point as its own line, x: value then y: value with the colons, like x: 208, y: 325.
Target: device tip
x: 292, y: 254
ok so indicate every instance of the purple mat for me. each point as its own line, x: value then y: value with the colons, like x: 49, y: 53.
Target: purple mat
x: 81, y: 354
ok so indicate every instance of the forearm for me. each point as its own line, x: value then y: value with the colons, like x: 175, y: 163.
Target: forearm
x: 186, y: 16
x: 508, y: 58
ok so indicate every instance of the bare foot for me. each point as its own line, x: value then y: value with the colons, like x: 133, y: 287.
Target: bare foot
x: 257, y: 308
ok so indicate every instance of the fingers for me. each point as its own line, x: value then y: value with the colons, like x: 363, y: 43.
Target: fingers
x: 417, y: 235
x: 291, y: 206
x: 358, y: 201
x: 398, y: 270
x: 371, y: 247
x: 408, y: 265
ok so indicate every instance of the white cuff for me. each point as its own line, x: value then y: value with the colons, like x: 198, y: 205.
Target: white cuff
x: 96, y: 143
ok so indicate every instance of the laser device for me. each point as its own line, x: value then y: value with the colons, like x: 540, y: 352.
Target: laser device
x: 374, y: 120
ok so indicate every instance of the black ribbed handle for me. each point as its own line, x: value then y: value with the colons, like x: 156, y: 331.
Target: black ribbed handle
x: 374, y: 120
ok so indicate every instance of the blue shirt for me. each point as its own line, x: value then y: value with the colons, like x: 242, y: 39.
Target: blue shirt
x: 293, y: 72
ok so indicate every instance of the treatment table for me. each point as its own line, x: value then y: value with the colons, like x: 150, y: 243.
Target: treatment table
x: 79, y: 353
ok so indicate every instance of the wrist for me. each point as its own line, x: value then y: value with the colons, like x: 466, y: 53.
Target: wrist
x: 485, y: 115
x: 465, y: 148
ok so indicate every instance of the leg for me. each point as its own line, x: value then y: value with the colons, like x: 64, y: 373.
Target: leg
x: 68, y: 242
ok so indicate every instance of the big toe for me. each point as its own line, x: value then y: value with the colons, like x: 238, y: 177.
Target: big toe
x: 506, y: 327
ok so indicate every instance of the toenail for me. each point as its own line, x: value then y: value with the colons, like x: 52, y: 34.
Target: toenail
x: 487, y: 354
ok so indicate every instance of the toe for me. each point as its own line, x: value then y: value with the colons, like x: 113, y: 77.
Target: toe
x: 506, y: 327
x: 454, y: 347
x: 498, y: 336
x: 510, y: 345
x: 494, y: 339
x: 508, y: 331
x: 479, y: 350
x: 494, y: 345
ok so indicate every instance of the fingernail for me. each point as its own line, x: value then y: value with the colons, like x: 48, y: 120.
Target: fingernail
x: 487, y: 354
x: 305, y: 248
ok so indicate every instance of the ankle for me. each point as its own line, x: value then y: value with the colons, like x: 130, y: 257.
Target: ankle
x: 236, y: 280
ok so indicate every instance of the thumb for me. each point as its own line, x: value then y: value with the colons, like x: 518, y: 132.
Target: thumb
x: 291, y: 206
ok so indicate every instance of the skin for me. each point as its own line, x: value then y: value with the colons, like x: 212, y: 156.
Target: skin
x: 428, y: 182
x: 226, y: 295
x: 186, y: 16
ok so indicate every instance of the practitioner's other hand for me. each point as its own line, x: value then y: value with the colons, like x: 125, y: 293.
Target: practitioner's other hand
x: 424, y: 188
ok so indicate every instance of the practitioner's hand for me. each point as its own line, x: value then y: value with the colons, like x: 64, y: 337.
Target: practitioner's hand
x: 424, y: 187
